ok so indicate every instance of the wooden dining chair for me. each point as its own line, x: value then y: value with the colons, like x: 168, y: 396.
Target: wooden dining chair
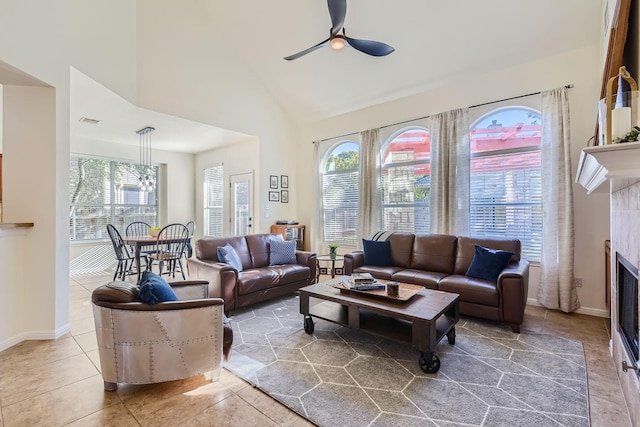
x: 191, y: 226
x: 126, y: 258
x: 170, y: 248
x: 137, y: 228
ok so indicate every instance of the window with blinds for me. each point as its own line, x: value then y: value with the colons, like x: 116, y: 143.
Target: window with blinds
x: 505, y: 181
x: 213, y: 201
x: 105, y: 192
x: 340, y: 194
x: 405, y: 180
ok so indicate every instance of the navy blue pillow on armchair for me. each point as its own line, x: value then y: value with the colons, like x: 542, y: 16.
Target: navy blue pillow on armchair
x: 377, y: 253
x: 154, y: 289
x: 487, y: 264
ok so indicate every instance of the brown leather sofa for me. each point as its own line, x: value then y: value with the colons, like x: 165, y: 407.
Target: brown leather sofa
x: 441, y: 261
x: 142, y: 344
x: 258, y: 281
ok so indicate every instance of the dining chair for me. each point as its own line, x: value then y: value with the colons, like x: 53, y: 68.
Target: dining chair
x: 170, y: 249
x: 137, y: 228
x: 191, y: 226
x: 126, y: 258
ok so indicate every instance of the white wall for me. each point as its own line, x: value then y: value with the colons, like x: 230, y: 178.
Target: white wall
x: 43, y: 39
x: 580, y: 68
x: 239, y: 158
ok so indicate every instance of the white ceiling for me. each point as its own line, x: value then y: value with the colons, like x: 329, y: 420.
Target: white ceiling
x: 436, y: 41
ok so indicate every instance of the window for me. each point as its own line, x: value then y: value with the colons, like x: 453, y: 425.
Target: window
x: 505, y: 181
x: 340, y: 188
x: 106, y: 192
x: 406, y: 179
x: 213, y: 201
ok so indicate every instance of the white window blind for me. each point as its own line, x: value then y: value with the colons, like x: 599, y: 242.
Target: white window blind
x: 105, y: 192
x: 406, y: 181
x: 505, y: 181
x: 214, y: 201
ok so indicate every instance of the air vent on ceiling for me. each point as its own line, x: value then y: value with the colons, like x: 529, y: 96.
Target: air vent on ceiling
x: 89, y: 121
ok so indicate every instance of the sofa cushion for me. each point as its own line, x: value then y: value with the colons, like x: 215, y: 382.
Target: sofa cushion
x: 256, y: 279
x: 154, y: 289
x: 487, y: 264
x: 282, y: 252
x: 434, y: 252
x: 259, y: 248
x: 228, y: 255
x: 291, y: 273
x: 378, y: 272
x: 376, y: 253
x: 428, y: 279
x: 473, y: 290
x: 401, y: 247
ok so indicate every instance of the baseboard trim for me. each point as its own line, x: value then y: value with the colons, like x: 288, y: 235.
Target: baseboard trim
x: 597, y: 312
x: 35, y: 335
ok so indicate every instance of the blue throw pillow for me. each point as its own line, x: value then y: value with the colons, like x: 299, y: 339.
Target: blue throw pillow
x: 228, y: 255
x: 488, y: 263
x: 282, y: 252
x: 154, y: 289
x: 377, y: 253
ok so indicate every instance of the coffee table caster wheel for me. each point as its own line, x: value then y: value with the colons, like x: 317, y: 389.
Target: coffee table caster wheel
x: 451, y: 336
x: 429, y: 367
x: 308, y: 325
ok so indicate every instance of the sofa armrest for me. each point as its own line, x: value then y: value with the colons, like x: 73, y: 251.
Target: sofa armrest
x: 308, y: 259
x: 222, y: 279
x: 513, y: 286
x: 352, y: 261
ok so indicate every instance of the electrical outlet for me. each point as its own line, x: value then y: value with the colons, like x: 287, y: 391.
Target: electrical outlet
x: 578, y: 282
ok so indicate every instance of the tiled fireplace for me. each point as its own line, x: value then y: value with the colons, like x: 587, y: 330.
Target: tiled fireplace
x: 625, y: 251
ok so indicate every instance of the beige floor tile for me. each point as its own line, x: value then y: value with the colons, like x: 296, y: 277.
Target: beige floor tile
x: 87, y: 341
x: 232, y: 411
x: 62, y: 405
x: 114, y: 416
x: 82, y: 326
x: 78, y: 292
x: 605, y: 387
x: 22, y: 357
x: 94, y: 356
x: 94, y: 280
x: 606, y: 414
x: 232, y: 382
x: 80, y: 309
x: 278, y: 413
x: 44, y: 377
x: 175, y: 404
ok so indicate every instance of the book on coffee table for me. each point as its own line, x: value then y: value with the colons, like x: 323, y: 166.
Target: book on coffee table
x: 362, y: 278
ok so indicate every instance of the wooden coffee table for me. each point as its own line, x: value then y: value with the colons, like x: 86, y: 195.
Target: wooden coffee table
x: 422, y: 321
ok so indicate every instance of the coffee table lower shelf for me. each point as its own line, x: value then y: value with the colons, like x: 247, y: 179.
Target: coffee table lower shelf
x: 423, y: 334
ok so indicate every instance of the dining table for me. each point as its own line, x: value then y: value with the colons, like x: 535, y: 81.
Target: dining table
x: 140, y: 242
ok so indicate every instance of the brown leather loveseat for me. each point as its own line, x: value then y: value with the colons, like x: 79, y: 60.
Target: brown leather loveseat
x: 258, y: 281
x: 441, y: 261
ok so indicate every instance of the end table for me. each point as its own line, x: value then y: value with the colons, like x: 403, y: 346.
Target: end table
x: 327, y: 258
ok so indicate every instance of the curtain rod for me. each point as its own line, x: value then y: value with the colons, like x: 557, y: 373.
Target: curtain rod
x: 569, y: 86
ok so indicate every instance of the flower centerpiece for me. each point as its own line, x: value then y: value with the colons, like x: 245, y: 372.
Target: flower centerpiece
x: 333, y: 251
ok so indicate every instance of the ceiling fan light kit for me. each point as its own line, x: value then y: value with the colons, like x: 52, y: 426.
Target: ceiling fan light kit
x: 337, y: 41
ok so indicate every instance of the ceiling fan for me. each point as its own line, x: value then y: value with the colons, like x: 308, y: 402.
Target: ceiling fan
x: 338, y: 11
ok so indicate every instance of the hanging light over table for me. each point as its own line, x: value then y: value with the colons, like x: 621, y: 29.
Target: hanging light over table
x: 146, y: 173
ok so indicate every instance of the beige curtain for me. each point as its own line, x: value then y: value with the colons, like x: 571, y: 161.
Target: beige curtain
x: 449, y: 198
x: 369, y: 205
x: 557, y: 288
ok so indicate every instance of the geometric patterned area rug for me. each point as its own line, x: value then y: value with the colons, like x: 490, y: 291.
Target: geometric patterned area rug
x: 344, y: 377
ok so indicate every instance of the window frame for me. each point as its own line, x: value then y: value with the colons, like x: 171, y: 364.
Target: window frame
x: 206, y: 206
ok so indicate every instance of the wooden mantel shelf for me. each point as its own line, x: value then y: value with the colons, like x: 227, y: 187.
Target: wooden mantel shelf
x: 599, y: 163
x: 11, y: 225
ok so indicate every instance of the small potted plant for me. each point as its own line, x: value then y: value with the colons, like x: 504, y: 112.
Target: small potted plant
x: 332, y: 251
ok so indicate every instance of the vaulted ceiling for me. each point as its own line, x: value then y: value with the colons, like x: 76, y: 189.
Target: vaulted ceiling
x: 435, y: 42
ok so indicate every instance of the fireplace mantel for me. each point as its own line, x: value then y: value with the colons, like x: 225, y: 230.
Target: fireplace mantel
x: 613, y: 162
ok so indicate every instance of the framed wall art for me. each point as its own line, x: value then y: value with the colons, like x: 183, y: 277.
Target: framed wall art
x: 284, y: 181
x: 273, y: 181
x: 274, y: 196
x: 284, y: 196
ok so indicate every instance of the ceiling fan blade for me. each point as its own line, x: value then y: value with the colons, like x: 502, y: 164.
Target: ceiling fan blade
x: 337, y: 10
x: 370, y: 47
x: 309, y: 50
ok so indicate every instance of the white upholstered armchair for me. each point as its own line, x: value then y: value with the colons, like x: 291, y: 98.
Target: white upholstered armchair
x: 142, y: 344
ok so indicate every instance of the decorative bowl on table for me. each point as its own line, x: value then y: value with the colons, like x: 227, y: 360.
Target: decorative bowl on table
x: 153, y: 232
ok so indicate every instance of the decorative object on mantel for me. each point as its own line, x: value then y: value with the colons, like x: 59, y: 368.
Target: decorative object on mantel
x: 146, y: 172
x: 621, y: 115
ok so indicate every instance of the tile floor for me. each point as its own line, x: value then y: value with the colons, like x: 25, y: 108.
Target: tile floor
x: 58, y: 383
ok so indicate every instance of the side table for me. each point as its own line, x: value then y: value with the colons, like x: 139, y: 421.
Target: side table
x: 327, y: 258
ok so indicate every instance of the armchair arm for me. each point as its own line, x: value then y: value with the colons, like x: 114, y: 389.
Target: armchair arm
x: 161, y: 306
x: 513, y: 287
x: 191, y: 289
x: 352, y: 261
x: 308, y: 259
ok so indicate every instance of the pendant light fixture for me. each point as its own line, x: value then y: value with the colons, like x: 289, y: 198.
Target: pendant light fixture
x: 146, y: 171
